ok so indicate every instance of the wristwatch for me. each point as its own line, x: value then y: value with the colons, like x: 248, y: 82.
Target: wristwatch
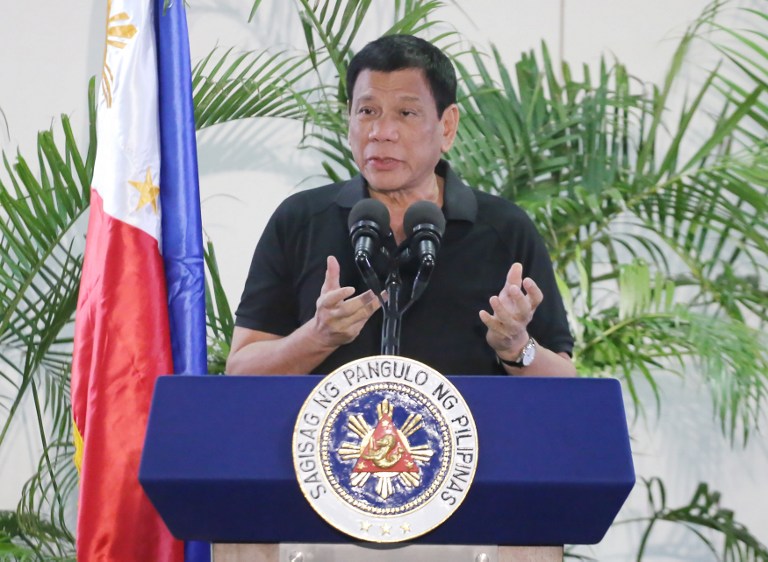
x: 526, y: 355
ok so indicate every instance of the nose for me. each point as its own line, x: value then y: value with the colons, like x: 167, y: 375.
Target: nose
x: 384, y: 129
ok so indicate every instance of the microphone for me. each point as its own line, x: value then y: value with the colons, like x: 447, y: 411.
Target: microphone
x: 424, y: 222
x: 368, y: 224
x: 368, y: 220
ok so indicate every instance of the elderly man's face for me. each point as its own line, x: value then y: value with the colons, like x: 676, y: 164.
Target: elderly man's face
x: 395, y: 133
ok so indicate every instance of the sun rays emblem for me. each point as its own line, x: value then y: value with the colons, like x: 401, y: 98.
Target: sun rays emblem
x: 118, y: 36
x: 384, y: 451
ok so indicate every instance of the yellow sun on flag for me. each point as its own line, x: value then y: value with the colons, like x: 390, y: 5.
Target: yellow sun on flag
x: 148, y: 191
x: 118, y: 36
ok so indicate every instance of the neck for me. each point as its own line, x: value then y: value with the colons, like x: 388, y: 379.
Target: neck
x: 398, y: 201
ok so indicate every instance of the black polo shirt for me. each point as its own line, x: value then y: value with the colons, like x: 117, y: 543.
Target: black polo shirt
x: 484, y: 236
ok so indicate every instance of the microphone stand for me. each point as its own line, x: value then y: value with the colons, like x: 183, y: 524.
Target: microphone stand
x: 393, y: 313
x: 393, y: 316
x: 390, y: 306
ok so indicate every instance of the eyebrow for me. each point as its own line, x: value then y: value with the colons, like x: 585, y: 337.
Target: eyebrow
x: 405, y: 98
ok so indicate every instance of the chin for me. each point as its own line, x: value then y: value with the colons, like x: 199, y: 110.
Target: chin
x: 384, y: 181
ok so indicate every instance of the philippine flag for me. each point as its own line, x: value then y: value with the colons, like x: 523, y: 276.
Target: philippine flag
x: 122, y: 331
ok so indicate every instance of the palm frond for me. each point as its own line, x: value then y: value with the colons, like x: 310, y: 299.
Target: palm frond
x: 330, y: 28
x: 219, y: 315
x: 46, y: 497
x: 40, y: 264
x: 41, y: 258
x: 703, y: 513
x: 650, y: 329
x: 556, y: 149
x: 226, y: 86
x: 19, y: 544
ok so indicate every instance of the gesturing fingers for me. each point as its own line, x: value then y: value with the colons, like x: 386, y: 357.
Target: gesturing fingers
x: 339, y: 316
x: 332, y: 273
x: 500, y: 320
x: 535, y: 296
x: 330, y: 299
x: 511, y: 311
x: 339, y: 321
x: 352, y: 310
x: 515, y: 275
x: 520, y: 296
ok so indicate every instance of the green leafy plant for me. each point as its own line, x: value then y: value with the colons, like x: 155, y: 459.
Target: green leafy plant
x: 221, y: 321
x: 703, y: 512
x: 10, y: 530
x: 26, y: 538
x: 41, y: 254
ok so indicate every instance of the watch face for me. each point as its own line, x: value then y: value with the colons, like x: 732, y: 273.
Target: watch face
x: 529, y: 352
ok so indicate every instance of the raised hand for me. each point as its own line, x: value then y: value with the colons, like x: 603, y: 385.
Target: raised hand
x: 339, y: 318
x: 513, y: 310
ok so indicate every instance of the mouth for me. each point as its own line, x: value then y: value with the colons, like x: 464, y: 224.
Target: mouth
x: 382, y: 162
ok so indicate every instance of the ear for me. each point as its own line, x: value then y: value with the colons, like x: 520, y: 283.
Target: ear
x: 450, y: 122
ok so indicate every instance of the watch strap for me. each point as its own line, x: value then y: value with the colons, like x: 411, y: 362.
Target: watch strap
x: 518, y: 361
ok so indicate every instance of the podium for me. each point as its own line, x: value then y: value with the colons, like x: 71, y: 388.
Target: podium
x: 554, y: 466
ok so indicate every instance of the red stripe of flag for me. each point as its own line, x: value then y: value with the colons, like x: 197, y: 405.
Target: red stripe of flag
x: 122, y: 346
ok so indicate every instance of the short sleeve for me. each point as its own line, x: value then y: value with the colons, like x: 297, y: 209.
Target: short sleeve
x: 268, y: 302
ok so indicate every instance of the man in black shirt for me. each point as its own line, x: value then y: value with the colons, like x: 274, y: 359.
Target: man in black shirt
x: 305, y: 308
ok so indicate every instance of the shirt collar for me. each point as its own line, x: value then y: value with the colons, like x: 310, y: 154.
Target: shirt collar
x: 459, y: 201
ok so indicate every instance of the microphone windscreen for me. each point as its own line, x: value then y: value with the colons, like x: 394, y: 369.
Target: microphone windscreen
x: 423, y: 212
x: 369, y: 210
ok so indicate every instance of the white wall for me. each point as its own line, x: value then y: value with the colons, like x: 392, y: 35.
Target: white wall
x: 48, y: 52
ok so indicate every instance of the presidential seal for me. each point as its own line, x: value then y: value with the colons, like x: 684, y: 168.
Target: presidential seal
x: 385, y: 449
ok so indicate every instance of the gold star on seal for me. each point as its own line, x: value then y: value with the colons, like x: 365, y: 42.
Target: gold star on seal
x: 365, y: 525
x: 385, y: 529
x: 148, y: 191
x: 406, y: 528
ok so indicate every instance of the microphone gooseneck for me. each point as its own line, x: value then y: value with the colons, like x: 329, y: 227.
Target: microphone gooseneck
x: 424, y: 223
x: 368, y: 225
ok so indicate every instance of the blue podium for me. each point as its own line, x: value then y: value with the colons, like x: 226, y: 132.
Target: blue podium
x: 554, y: 467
